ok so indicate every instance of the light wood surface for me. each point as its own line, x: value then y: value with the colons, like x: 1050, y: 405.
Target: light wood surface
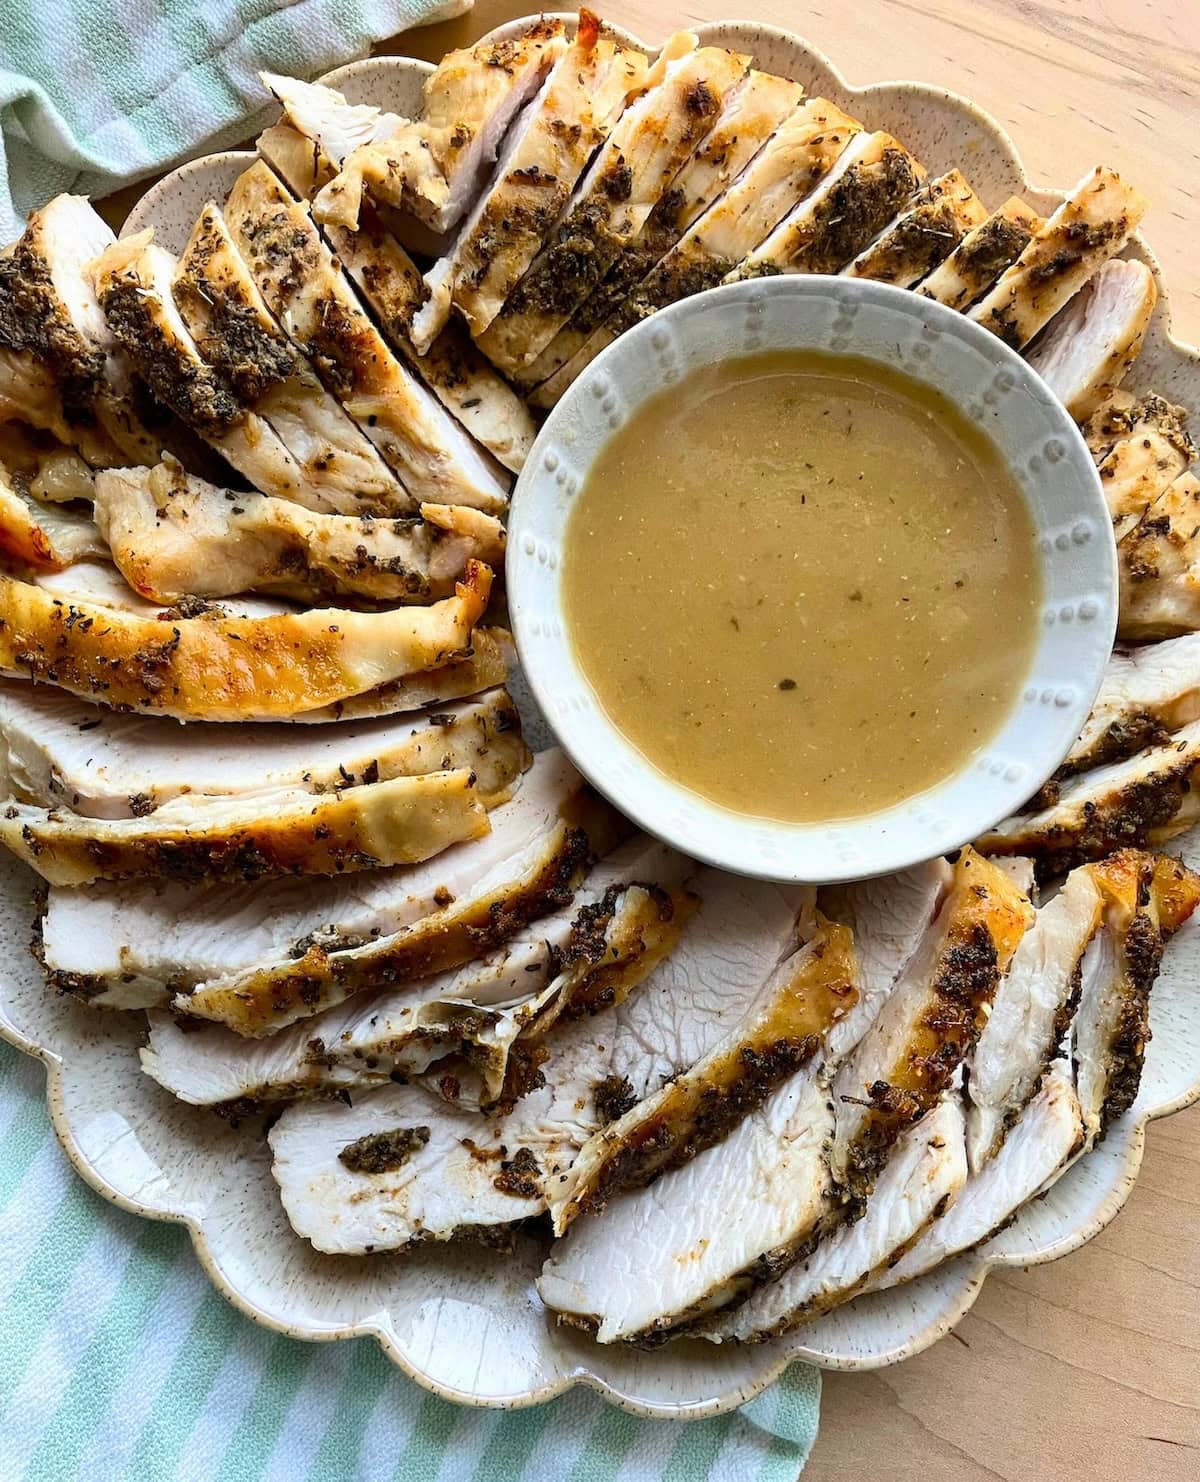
x: 1088, y: 1368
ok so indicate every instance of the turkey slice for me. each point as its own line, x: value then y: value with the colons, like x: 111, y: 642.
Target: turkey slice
x: 289, y: 832
x: 752, y: 110
x: 929, y: 1023
x: 1159, y: 563
x: 56, y: 344
x: 575, y: 112
x: 435, y: 167
x: 982, y: 255
x: 519, y: 889
x: 57, y: 751
x: 305, y: 288
x: 870, y: 181
x: 1146, y: 900
x: 49, y: 536
x: 391, y: 285
x: 133, y: 283
x: 173, y: 536
x: 660, y: 1259
x: 1113, y: 419
x: 1146, y: 694
x: 1146, y: 461
x: 229, y: 668
x: 546, y: 150
x: 238, y: 336
x: 1145, y: 799
x: 468, y: 1011
x: 1088, y: 349
x: 738, y: 933
x: 926, y: 1173
x: 812, y: 991
x: 1092, y: 225
x: 630, y: 174
x: 1027, y: 1022
x: 927, y: 230
x: 789, y: 165
x: 1044, y: 1138
x: 132, y: 944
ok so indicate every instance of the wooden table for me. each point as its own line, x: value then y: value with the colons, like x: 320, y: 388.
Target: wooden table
x: 1088, y: 1368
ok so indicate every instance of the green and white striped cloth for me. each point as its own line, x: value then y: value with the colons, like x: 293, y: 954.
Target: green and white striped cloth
x: 95, y: 93
x: 120, y: 1363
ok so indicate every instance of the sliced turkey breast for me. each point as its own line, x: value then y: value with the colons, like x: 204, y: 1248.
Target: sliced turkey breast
x: 1029, y: 1012
x: 1146, y: 461
x: 545, y: 152
x: 787, y: 167
x: 923, y: 235
x: 1159, y: 561
x: 390, y: 282
x: 100, y: 584
x: 289, y: 832
x: 659, y: 1260
x: 889, y: 916
x: 59, y: 752
x: 925, y: 1175
x: 752, y: 110
x: 223, y: 668
x: 133, y: 283
x: 1092, y: 225
x: 435, y: 167
x: 54, y: 339
x: 1146, y: 694
x: 475, y: 1012
x: 1044, y: 1138
x: 49, y: 536
x: 1145, y: 799
x: 736, y: 936
x: 870, y: 181
x: 929, y: 1023
x: 522, y: 885
x: 576, y: 109
x: 174, y: 536
x: 807, y: 995
x: 306, y: 290
x: 1087, y: 350
x: 1146, y: 900
x: 238, y: 336
x: 630, y: 174
x: 127, y: 944
x: 982, y: 255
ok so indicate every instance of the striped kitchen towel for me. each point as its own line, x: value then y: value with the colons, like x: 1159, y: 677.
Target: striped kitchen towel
x: 96, y: 93
x: 119, y: 1361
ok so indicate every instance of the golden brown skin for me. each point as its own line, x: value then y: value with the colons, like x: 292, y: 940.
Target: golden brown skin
x: 402, y: 821
x: 222, y: 668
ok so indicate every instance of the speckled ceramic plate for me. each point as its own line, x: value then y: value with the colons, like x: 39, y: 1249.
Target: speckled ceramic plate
x: 458, y: 1320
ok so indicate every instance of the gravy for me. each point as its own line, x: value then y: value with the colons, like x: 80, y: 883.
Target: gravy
x: 802, y: 585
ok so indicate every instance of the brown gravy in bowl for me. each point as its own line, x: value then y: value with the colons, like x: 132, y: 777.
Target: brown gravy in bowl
x: 803, y: 585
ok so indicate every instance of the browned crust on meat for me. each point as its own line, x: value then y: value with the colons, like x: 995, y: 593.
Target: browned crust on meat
x: 1128, y: 818
x: 208, y: 667
x: 383, y: 1152
x: 32, y: 319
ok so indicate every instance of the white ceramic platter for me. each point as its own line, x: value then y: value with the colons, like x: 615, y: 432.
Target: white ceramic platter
x: 460, y: 1320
